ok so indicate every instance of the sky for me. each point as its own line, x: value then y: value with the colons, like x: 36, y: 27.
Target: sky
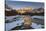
x: 21, y: 4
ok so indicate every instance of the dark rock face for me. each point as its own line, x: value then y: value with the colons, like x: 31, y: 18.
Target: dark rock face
x: 10, y: 13
x: 20, y: 28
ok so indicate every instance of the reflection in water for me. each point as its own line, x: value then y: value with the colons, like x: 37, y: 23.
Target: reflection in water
x: 18, y: 21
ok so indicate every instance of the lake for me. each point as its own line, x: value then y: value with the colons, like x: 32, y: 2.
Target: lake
x: 17, y: 20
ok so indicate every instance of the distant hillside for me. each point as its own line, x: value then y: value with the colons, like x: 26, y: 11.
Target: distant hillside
x: 10, y: 12
x: 34, y: 12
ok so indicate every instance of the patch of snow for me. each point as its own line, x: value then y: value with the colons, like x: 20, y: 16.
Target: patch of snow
x: 13, y: 24
x: 36, y: 26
